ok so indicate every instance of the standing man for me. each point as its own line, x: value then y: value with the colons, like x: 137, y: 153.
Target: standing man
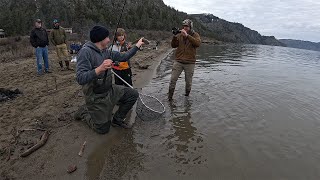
x: 94, y: 65
x: 186, y: 43
x: 58, y: 38
x: 39, y: 40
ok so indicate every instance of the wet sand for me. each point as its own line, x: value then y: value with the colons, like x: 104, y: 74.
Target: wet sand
x: 49, y: 102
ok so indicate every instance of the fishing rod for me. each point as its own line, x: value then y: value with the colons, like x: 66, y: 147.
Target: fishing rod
x: 118, y: 23
x: 114, y: 38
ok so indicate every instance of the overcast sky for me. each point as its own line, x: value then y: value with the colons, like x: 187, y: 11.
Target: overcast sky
x: 284, y: 19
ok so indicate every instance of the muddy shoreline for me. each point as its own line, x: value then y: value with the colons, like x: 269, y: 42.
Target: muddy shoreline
x: 49, y: 102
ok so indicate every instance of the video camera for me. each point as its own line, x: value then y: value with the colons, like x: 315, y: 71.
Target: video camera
x: 175, y: 31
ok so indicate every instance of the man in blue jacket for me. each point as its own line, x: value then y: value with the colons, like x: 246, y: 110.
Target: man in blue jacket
x: 39, y: 40
x: 94, y: 63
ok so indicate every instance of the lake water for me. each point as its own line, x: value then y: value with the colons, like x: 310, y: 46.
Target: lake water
x: 253, y: 113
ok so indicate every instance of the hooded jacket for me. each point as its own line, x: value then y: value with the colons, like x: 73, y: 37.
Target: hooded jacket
x: 89, y: 58
x: 186, y: 47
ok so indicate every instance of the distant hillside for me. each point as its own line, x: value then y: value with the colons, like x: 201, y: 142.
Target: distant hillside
x: 234, y: 32
x: 17, y: 17
x: 301, y: 44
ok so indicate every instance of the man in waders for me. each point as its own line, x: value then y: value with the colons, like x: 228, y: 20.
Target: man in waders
x: 186, y: 41
x: 94, y: 74
x: 58, y: 38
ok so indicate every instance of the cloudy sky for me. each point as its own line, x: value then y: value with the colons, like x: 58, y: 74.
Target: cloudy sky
x: 291, y: 19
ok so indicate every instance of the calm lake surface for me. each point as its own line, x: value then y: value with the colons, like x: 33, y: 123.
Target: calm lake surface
x: 253, y: 113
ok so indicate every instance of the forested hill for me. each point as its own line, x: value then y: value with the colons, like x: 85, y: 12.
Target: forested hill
x: 301, y: 44
x: 17, y: 17
x: 234, y: 32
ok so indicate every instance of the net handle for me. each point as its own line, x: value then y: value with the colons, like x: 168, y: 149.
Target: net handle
x: 121, y: 79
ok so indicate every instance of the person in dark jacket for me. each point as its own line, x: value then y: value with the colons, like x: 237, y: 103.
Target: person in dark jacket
x: 39, y: 40
x: 94, y: 63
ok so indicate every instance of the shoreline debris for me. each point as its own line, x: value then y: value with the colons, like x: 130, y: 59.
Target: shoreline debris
x: 42, y: 141
x: 82, y: 149
x: 71, y: 169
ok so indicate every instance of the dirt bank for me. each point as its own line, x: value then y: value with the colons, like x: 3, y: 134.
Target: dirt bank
x: 48, y: 103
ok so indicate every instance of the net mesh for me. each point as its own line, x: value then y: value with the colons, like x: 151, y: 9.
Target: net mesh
x: 149, y: 107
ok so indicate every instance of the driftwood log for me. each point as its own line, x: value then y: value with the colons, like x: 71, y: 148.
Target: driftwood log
x: 42, y: 141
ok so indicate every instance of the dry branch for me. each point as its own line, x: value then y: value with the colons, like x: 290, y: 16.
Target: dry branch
x: 82, y: 148
x: 42, y: 141
x: 9, y: 153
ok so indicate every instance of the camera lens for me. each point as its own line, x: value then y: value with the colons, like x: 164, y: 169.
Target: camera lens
x: 175, y: 30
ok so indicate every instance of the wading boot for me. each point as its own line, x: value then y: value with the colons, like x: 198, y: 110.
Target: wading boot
x: 170, y: 94
x: 120, y: 123
x: 68, y: 66
x: 187, y: 93
x: 61, y: 65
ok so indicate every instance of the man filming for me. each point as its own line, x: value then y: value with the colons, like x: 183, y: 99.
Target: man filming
x: 186, y: 41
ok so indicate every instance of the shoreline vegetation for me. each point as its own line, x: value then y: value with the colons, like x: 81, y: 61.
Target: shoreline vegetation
x: 13, y: 48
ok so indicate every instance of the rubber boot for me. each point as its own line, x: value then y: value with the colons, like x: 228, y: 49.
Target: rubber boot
x: 122, y: 124
x: 61, y: 65
x: 170, y: 94
x: 68, y: 65
x: 187, y: 92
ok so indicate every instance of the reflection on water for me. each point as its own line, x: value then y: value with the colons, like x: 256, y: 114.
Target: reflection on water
x: 185, y: 140
x: 115, y: 157
x: 183, y: 129
x: 253, y: 113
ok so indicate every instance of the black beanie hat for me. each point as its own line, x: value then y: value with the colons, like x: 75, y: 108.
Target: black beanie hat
x: 98, y: 33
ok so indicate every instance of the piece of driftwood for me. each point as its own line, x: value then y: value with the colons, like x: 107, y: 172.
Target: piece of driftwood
x: 55, y: 82
x: 22, y: 130
x: 42, y: 141
x: 82, y: 148
x: 35, y: 129
x: 9, y: 153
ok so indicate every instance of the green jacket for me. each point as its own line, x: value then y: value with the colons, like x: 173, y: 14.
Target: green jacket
x: 186, y: 47
x: 58, y: 36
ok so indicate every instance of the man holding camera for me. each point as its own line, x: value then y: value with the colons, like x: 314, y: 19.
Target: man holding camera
x: 186, y: 41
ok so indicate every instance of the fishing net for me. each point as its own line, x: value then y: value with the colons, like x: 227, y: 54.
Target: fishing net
x: 149, y: 108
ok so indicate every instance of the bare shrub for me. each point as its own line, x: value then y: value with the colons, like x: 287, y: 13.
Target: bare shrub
x: 15, y: 48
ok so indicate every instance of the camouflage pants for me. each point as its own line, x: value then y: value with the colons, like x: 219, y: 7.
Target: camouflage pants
x: 97, y: 112
x: 62, y: 52
x: 177, y: 69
